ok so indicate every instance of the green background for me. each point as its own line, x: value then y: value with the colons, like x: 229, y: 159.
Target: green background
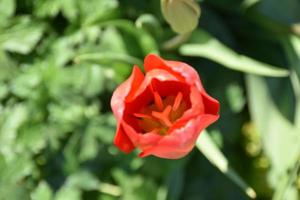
x: 60, y: 61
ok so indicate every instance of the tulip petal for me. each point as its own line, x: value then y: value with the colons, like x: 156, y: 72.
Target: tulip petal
x: 143, y: 141
x: 124, y: 91
x: 139, y: 90
x: 182, y: 140
x: 211, y: 105
x: 157, y: 74
x: 179, y: 69
x: 196, y: 109
x: 122, y: 141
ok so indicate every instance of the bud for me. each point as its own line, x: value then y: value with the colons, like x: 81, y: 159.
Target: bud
x: 182, y: 15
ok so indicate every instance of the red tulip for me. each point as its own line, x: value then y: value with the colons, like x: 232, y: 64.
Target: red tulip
x: 162, y: 112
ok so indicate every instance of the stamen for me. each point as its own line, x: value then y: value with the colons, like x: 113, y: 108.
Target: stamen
x: 177, y: 101
x: 164, y: 116
x: 141, y: 115
x: 158, y: 101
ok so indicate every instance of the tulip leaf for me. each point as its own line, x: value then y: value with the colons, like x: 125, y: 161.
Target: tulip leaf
x: 211, y: 151
x: 209, y: 47
x: 291, y: 46
x: 294, y: 60
x: 285, y: 189
x: 276, y: 131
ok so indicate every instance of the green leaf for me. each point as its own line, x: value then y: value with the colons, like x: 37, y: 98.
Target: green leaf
x: 210, y: 48
x: 285, y: 189
x: 22, y: 36
x: 25, y: 83
x: 274, y: 128
x: 291, y: 46
x: 3, y: 91
x: 47, y: 8
x: 236, y: 99
x: 276, y: 131
x: 68, y: 193
x: 32, y: 137
x: 69, y: 9
x: 107, y: 57
x: 14, y: 118
x: 15, y: 169
x: 211, y: 151
x: 137, y: 188
x: 144, y: 39
x: 83, y: 180
x: 97, y: 11
x: 7, y: 66
x: 42, y: 192
x: 175, y: 183
x: 7, y: 9
x: 113, y: 41
x: 13, y: 192
x: 51, y: 8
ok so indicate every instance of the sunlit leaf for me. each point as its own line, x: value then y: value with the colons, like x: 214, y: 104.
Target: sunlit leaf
x: 21, y: 37
x: 211, y: 151
x: 210, y: 48
x: 14, y: 118
x: 7, y: 9
x: 275, y: 130
x: 42, y: 192
x: 84, y: 180
x: 108, y: 57
x: 68, y: 193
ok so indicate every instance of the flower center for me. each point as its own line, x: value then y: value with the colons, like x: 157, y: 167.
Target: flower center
x: 159, y: 116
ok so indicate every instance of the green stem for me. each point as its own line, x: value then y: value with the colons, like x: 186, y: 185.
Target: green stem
x: 175, y: 42
x: 216, y: 157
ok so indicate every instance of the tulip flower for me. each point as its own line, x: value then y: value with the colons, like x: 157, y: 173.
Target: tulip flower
x: 163, y: 111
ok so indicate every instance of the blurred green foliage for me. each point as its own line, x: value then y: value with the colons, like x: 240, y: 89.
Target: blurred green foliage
x: 60, y: 61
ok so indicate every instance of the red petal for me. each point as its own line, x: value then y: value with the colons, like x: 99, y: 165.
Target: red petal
x: 181, y: 141
x: 142, y: 141
x: 122, y: 141
x: 211, y: 105
x: 124, y: 91
x: 197, y: 108
x: 161, y: 75
x: 179, y: 69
